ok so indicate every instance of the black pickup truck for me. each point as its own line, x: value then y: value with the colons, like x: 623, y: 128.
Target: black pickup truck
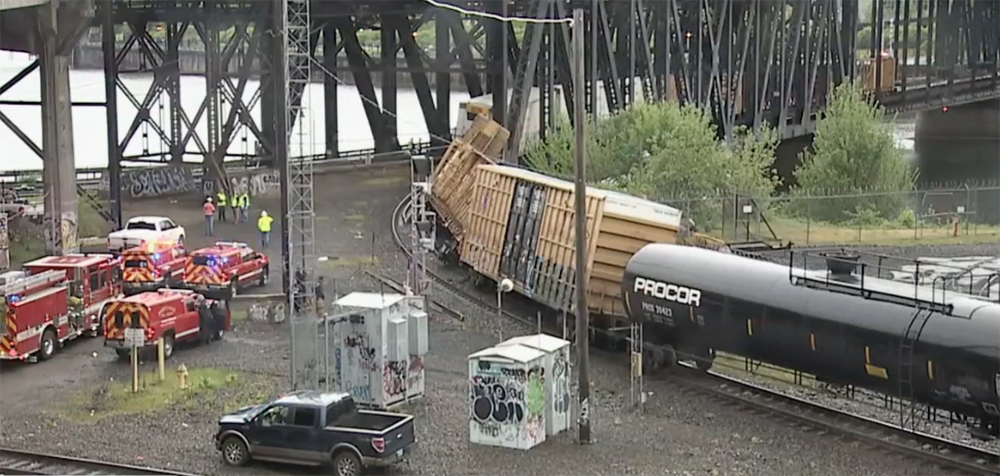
x: 314, y: 428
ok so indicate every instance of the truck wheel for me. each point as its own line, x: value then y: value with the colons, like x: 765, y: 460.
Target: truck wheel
x: 346, y: 463
x: 47, y: 346
x: 234, y: 452
x: 180, y: 241
x: 263, y: 276
x: 168, y: 346
x: 233, y: 285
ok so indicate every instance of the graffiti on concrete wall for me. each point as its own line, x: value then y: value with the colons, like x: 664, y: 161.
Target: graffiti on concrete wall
x: 272, y: 312
x: 508, y: 404
x: 61, y: 237
x: 155, y: 182
x: 4, y: 243
x: 257, y: 184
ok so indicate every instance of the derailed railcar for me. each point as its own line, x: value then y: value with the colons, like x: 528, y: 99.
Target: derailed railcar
x: 922, y: 344
x: 451, y: 185
x: 521, y: 226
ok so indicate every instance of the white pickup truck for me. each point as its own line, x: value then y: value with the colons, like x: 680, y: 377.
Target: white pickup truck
x: 139, y: 230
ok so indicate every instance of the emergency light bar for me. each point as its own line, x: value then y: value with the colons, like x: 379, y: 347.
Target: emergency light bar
x: 233, y: 244
x: 18, y: 286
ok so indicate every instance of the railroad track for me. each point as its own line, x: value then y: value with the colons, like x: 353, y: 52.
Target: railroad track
x: 26, y: 462
x: 939, y: 452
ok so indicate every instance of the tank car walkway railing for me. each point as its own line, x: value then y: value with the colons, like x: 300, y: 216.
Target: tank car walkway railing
x: 844, y: 272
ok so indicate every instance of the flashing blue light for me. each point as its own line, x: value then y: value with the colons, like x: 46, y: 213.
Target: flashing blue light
x: 156, y: 256
x: 225, y: 259
x: 13, y: 298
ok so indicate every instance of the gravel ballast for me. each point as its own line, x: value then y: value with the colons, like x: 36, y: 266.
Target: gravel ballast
x: 674, y: 435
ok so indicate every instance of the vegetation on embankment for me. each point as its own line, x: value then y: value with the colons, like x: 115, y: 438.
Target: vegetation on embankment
x: 852, y: 181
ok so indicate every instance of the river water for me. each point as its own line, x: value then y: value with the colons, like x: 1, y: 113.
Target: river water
x: 90, y: 128
x: 939, y: 162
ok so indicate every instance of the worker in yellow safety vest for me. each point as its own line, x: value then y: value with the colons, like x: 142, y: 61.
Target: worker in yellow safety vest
x: 264, y: 226
x: 220, y: 200
x: 234, y: 203
x: 244, y: 202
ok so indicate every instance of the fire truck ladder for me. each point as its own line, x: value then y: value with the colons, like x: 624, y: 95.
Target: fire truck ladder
x: 907, y: 407
x: 28, y: 282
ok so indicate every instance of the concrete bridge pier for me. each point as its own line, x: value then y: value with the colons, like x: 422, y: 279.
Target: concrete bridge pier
x: 58, y: 156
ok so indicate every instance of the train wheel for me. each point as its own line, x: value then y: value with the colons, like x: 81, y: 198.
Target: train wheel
x: 704, y: 359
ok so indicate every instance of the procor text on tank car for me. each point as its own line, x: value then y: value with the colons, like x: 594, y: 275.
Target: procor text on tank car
x: 919, y: 343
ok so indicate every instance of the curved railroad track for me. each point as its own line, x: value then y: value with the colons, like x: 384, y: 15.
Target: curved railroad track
x: 937, y: 451
x: 28, y: 462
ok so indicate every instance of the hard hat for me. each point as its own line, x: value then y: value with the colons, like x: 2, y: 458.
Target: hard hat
x: 209, y: 199
x: 263, y: 213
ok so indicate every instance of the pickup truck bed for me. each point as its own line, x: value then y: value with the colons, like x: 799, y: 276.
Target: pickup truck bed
x: 378, y: 422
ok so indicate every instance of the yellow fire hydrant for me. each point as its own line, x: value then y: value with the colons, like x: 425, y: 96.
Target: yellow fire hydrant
x: 182, y: 374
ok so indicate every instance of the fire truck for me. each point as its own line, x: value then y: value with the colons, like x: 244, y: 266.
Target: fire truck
x: 39, y: 314
x: 93, y: 278
x: 152, y: 266
x: 175, y: 315
x: 220, y: 270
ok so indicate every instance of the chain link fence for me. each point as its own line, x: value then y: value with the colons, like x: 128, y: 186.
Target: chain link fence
x: 947, y: 214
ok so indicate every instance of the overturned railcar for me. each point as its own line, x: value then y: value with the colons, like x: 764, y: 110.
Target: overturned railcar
x: 920, y: 343
x: 520, y: 226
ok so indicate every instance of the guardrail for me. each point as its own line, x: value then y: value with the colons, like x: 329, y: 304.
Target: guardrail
x: 27, y: 183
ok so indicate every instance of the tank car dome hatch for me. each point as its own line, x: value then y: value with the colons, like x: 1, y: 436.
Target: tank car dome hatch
x: 841, y: 265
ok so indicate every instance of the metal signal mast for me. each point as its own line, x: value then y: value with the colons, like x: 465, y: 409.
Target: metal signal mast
x: 298, y: 227
x: 422, y: 224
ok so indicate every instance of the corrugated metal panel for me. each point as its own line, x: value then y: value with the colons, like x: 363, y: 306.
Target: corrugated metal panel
x: 451, y: 185
x: 489, y: 210
x: 12, y: 4
x: 529, y: 260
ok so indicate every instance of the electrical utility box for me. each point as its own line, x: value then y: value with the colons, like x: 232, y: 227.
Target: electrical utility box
x: 507, y: 397
x: 376, y: 345
x: 556, y: 376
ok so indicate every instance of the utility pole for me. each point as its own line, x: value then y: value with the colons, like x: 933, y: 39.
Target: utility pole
x: 580, y: 193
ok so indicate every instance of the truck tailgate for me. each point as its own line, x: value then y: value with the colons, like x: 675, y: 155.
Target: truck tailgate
x: 399, y: 436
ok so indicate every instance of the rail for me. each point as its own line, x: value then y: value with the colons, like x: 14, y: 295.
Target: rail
x: 933, y: 449
x: 28, y: 462
x: 927, y: 447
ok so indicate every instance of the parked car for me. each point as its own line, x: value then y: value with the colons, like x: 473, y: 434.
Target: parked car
x: 146, y: 229
x: 313, y: 428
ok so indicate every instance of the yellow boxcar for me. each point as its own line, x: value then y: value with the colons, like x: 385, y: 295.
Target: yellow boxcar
x: 521, y: 227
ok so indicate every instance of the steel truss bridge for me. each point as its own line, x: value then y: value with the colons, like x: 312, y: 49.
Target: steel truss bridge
x: 750, y: 62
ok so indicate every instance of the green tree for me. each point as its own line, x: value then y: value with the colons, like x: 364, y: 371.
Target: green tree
x: 666, y: 153
x: 853, y: 153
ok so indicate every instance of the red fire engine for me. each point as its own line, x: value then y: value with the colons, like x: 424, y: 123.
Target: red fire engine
x: 218, y: 271
x: 39, y: 314
x: 176, y: 315
x: 152, y: 266
x: 94, y: 278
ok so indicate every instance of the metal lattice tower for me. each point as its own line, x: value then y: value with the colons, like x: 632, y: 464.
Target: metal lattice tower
x: 636, y: 387
x: 301, y: 227
x: 422, y: 224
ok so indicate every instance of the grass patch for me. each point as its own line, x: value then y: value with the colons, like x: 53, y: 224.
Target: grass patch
x: 238, y: 316
x: 116, y: 397
x: 28, y: 241
x: 818, y: 233
x: 385, y: 181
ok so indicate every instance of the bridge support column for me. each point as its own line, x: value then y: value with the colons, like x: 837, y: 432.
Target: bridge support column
x: 58, y: 171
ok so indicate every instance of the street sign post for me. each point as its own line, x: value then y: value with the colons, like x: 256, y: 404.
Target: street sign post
x: 134, y: 339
